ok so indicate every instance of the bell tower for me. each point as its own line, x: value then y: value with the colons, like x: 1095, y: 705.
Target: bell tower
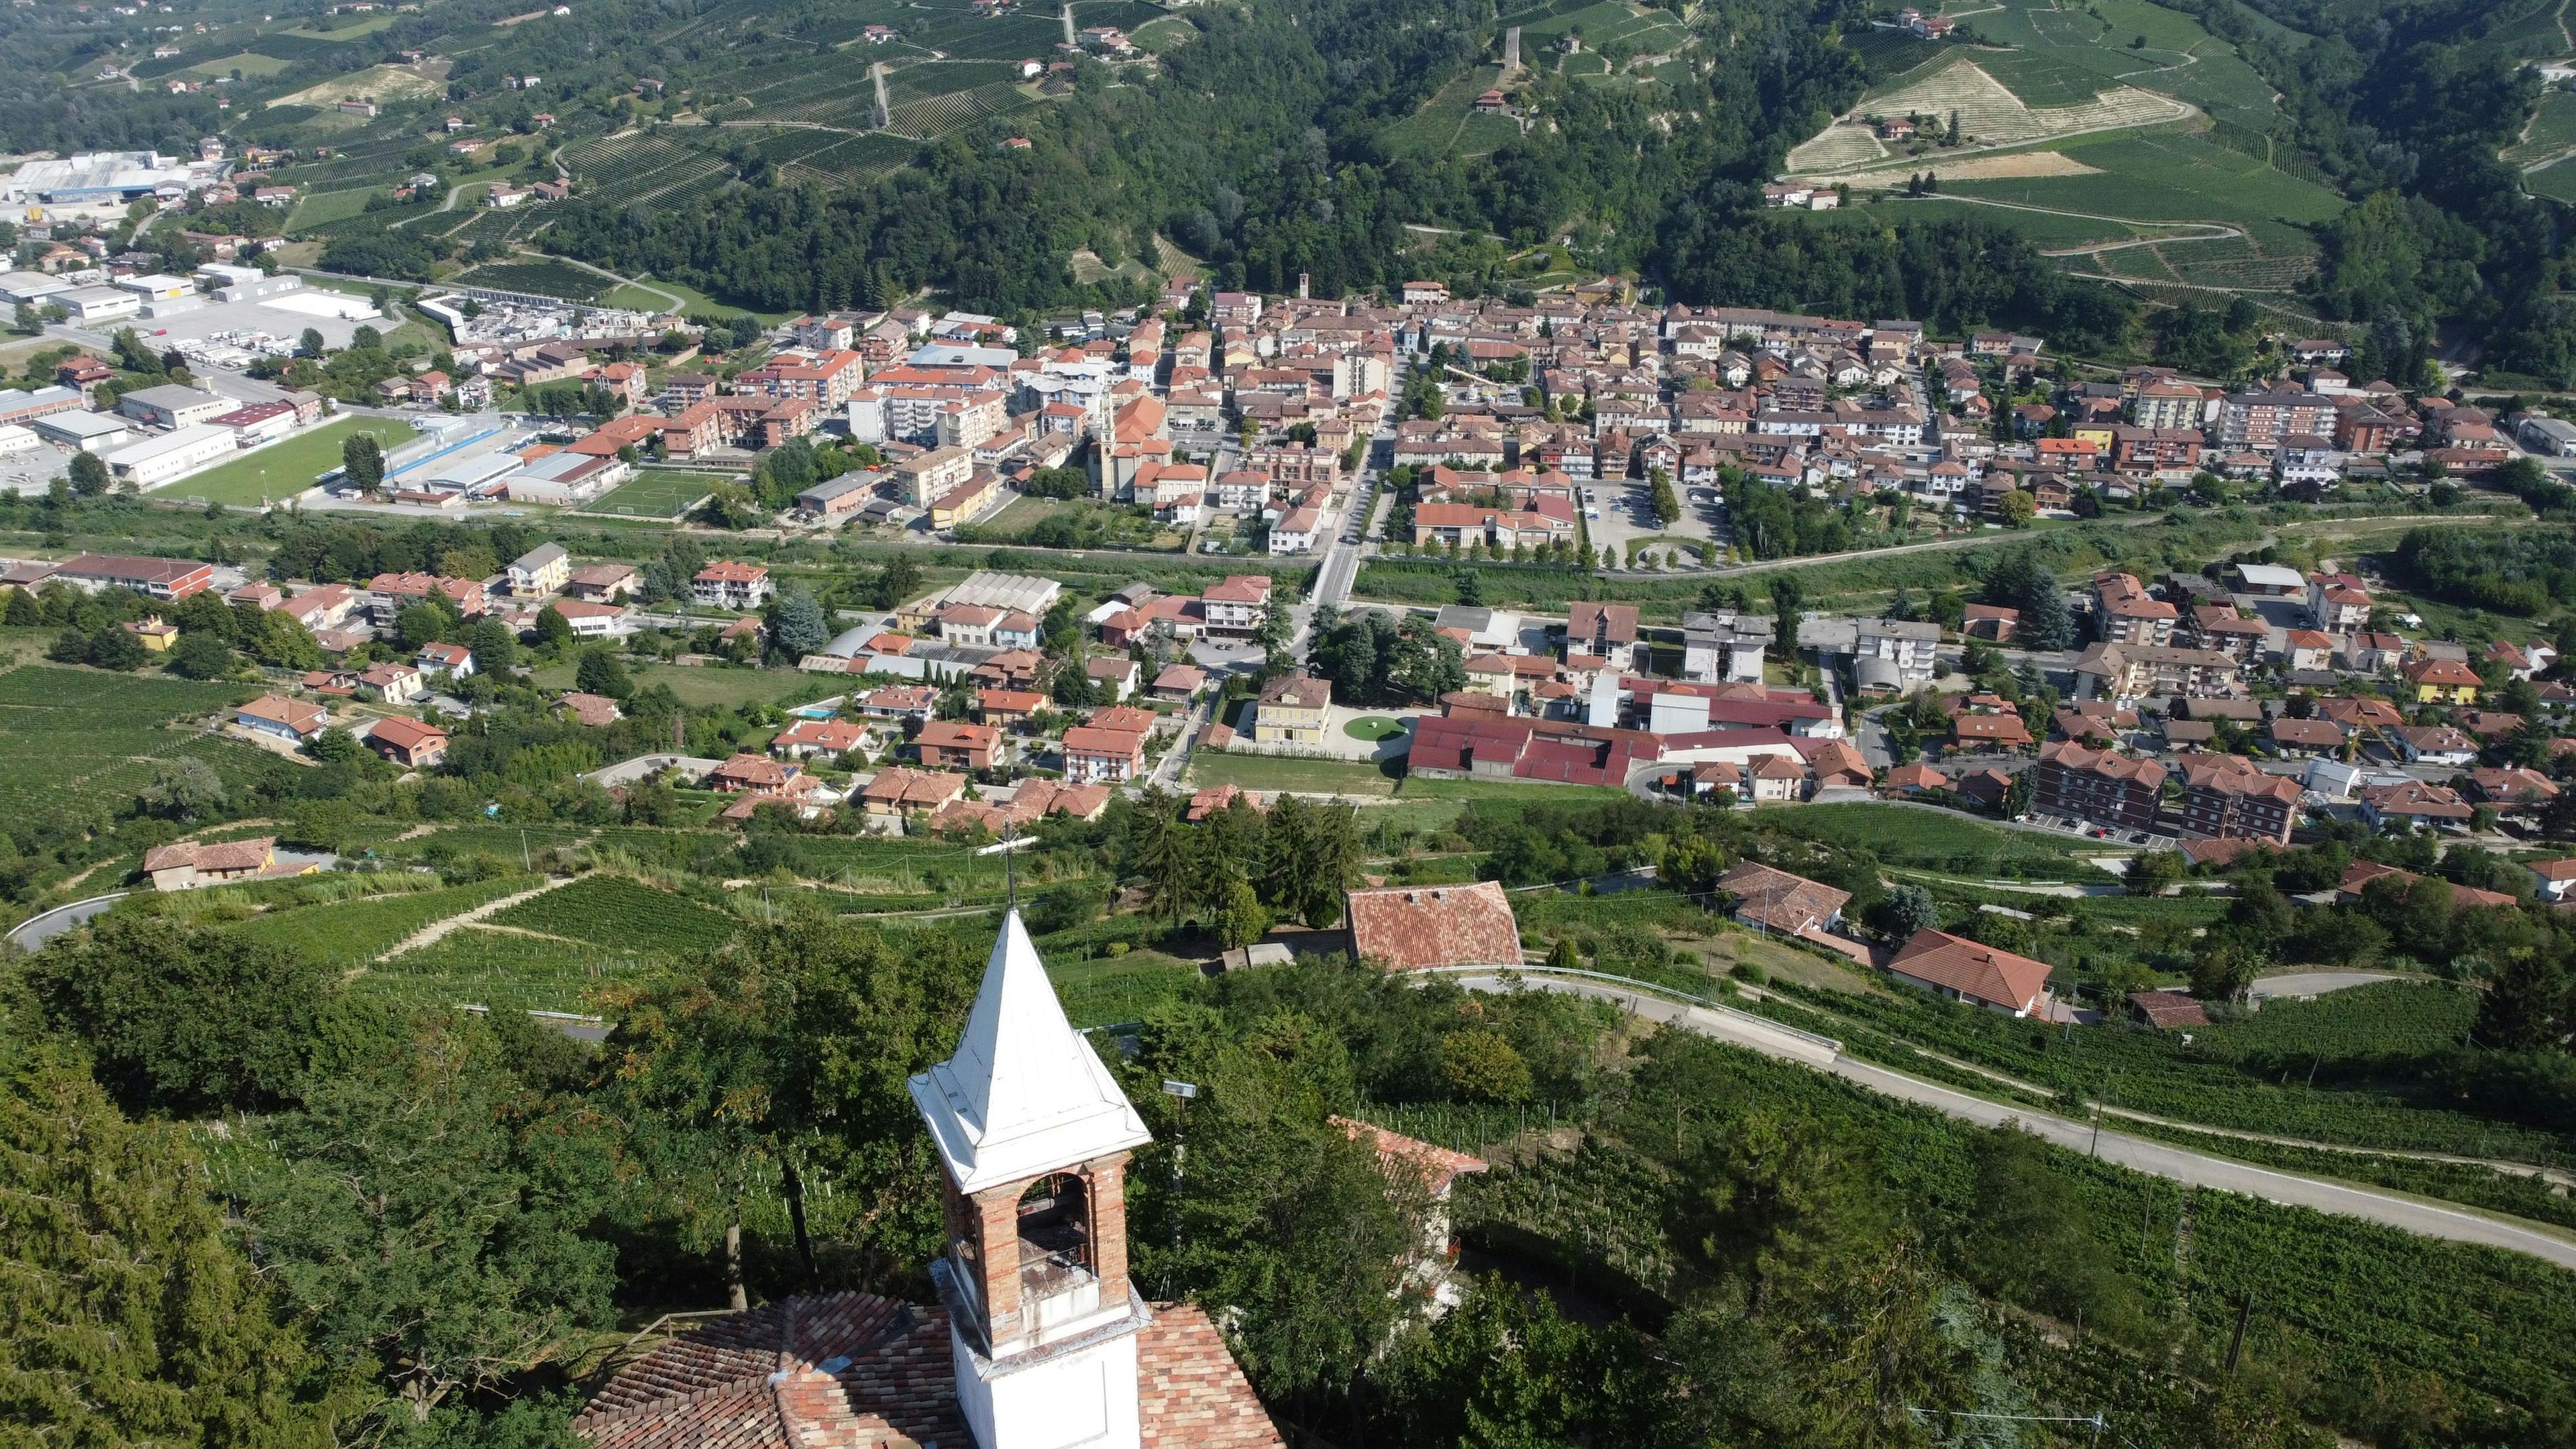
x: 1035, y: 1135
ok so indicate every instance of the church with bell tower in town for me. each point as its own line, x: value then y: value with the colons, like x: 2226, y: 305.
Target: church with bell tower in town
x: 1038, y: 1341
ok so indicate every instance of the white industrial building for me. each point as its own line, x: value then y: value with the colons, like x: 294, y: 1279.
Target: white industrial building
x: 156, y: 461
x: 15, y: 439
x: 103, y: 177
x: 172, y: 406
x: 156, y: 286
x: 97, y: 304
x: 89, y: 432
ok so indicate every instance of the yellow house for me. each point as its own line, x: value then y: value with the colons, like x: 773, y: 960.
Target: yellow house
x: 1292, y: 710
x: 965, y: 500
x: 2443, y: 681
x: 157, y: 636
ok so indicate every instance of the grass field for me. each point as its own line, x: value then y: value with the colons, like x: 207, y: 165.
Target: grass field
x: 253, y: 66
x: 318, y: 207
x: 1437, y: 127
x: 702, y: 684
x: 1277, y: 772
x: 1936, y: 840
x: 656, y: 493
x: 282, y: 470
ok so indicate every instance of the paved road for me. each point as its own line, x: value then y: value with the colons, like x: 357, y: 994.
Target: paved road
x: 2138, y: 1153
x: 37, y: 930
x: 1341, y: 560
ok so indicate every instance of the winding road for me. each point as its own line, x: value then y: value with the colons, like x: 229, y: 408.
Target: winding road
x: 2137, y: 1153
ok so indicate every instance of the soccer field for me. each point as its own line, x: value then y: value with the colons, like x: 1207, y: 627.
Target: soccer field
x: 656, y: 493
x: 282, y: 470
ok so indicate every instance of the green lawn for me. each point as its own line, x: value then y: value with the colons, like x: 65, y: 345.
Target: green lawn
x: 1277, y: 772
x: 282, y: 470
x: 316, y: 207
x: 252, y: 66
x: 656, y: 493
x: 703, y: 684
x: 1373, y: 727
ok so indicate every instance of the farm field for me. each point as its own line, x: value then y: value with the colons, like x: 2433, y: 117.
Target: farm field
x: 620, y: 914
x: 546, y: 277
x: 1439, y: 125
x: 282, y: 470
x: 376, y: 82
x: 352, y: 933
x: 85, y: 740
x: 656, y: 493
x: 2061, y: 55
x: 316, y: 208
x: 1280, y: 772
x: 1989, y: 114
x: 498, y: 970
x: 251, y: 64
x: 2168, y: 176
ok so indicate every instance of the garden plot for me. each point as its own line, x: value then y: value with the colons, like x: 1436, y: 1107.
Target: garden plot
x: 1988, y: 114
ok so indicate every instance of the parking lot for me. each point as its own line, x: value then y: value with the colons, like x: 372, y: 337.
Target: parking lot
x: 1617, y: 511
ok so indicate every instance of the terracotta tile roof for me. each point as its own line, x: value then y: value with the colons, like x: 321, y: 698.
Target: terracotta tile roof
x: 1778, y: 900
x: 841, y: 1368
x: 1412, y: 928
x: 2358, y: 876
x: 1190, y: 1393
x: 1973, y: 969
x: 591, y: 709
x: 912, y: 789
x: 295, y: 714
x: 230, y: 855
x: 1302, y: 691
x: 746, y: 772
x: 2222, y: 850
x: 2236, y: 775
x: 1916, y: 777
x: 2107, y: 764
x: 2414, y: 797
x: 406, y: 734
x: 2166, y: 1009
x: 1438, y: 1165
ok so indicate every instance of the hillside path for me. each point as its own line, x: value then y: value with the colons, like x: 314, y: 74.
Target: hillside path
x: 2139, y: 1154
x: 436, y: 931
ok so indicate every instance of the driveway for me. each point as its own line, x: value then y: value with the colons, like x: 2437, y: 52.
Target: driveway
x: 2137, y: 1153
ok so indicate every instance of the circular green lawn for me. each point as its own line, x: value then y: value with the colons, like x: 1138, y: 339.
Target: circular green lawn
x: 1372, y: 727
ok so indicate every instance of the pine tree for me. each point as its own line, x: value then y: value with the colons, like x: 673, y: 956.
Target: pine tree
x: 128, y: 1318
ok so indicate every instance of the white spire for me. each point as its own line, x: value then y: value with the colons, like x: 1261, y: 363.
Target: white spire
x: 1025, y: 1094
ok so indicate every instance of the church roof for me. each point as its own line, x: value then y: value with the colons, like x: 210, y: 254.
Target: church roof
x: 857, y: 1370
x: 1025, y: 1094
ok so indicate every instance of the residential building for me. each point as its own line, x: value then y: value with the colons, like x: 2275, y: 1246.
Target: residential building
x: 1910, y: 648
x: 730, y: 584
x: 1106, y: 756
x: 1776, y: 901
x: 947, y: 744
x: 1292, y: 709
x: 2125, y: 613
x: 540, y: 571
x: 2442, y: 681
x: 291, y: 720
x: 2103, y: 786
x: 1958, y: 969
x: 1599, y: 631
x: 1421, y: 928
x: 2225, y: 797
x: 408, y: 742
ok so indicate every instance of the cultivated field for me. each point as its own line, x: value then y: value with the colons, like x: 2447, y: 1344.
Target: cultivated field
x: 84, y: 741
x: 548, y: 278
x: 1989, y: 116
x: 376, y: 82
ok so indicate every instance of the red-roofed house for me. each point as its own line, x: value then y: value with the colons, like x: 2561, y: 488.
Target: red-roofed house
x: 1959, y: 969
x: 1417, y: 928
